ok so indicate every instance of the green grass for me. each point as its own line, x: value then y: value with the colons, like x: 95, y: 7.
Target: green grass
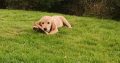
x: 91, y: 40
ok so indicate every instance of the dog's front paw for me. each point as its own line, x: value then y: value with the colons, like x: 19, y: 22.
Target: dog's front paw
x: 69, y: 27
x: 35, y: 28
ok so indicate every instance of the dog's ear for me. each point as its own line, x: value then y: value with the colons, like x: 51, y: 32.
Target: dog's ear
x: 40, y: 23
x: 53, y: 26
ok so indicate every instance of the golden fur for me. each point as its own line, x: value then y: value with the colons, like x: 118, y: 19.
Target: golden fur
x: 50, y: 24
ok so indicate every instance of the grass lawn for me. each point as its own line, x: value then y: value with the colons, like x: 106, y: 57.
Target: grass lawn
x: 91, y: 40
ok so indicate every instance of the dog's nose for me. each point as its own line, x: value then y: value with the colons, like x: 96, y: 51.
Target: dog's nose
x: 45, y: 29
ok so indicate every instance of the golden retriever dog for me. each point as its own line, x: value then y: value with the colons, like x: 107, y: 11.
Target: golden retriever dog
x: 50, y: 24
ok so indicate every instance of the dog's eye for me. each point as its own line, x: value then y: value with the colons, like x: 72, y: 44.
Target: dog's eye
x: 48, y: 22
x: 42, y: 22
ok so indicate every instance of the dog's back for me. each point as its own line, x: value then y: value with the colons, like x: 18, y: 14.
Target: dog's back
x: 57, y: 20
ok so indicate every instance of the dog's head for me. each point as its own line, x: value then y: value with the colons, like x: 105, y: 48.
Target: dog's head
x: 47, y: 25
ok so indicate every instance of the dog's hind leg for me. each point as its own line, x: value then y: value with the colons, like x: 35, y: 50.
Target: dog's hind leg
x: 65, y: 22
